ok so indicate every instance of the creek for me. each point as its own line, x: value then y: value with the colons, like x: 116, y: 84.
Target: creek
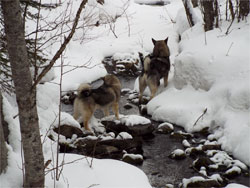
x: 157, y: 165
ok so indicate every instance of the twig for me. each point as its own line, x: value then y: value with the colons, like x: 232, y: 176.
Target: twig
x: 63, y: 46
x: 205, y: 111
x: 229, y: 48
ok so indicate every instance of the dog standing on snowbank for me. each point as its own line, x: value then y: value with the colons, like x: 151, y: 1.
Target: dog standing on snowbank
x: 104, y: 97
x: 155, y: 67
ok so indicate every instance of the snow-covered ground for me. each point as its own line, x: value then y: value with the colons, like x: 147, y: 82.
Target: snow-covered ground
x: 203, y: 76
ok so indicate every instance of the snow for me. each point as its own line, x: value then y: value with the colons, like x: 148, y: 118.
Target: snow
x: 209, y: 75
x: 186, y: 144
x: 235, y: 185
x: 178, y: 152
x: 205, y: 74
x: 131, y: 120
x: 100, y: 172
x: 193, y: 179
x: 169, y: 125
x: 133, y: 156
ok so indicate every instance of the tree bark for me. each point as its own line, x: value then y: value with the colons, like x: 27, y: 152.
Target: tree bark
x: 25, y: 95
x: 195, y: 3
x: 244, y: 9
x: 209, y: 15
x: 3, y: 151
x: 188, y: 6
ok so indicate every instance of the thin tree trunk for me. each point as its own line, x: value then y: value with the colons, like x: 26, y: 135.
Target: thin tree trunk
x: 243, y: 9
x: 208, y: 14
x: 231, y: 8
x: 25, y: 95
x: 195, y: 3
x: 188, y: 6
x: 4, y: 151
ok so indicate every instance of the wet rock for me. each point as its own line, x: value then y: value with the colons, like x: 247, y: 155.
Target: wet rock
x: 178, y: 154
x: 123, y: 64
x: 68, y: 131
x: 138, y: 128
x: 127, y: 106
x: 204, y: 131
x: 202, y: 162
x: 232, y: 172
x: 123, y: 136
x: 135, y: 159
x: 199, y: 181
x: 211, y: 147
x: 169, y: 185
x: 186, y: 144
x: 108, y: 148
x: 143, y: 110
x: 125, y: 91
x: 194, y: 152
x: 181, y: 135
x: 165, y: 128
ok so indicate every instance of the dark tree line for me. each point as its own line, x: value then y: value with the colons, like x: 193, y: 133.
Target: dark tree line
x: 211, y: 11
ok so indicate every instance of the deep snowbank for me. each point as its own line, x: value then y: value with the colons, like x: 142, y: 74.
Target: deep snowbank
x: 211, y: 72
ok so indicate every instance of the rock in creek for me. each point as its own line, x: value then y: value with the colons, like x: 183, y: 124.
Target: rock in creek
x: 108, y: 148
x: 68, y: 131
x: 133, y: 124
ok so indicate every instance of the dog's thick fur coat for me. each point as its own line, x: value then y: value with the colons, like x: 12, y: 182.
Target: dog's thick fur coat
x: 88, y: 99
x: 155, y: 67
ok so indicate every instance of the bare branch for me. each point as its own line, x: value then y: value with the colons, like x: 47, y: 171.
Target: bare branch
x: 63, y: 46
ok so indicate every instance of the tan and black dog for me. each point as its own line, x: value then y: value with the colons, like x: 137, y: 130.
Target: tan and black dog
x: 104, y: 97
x: 155, y: 67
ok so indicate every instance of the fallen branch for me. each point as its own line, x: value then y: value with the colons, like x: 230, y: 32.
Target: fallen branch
x: 205, y: 111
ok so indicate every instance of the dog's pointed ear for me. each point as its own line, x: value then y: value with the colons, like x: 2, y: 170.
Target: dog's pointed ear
x: 154, y: 41
x: 166, y: 40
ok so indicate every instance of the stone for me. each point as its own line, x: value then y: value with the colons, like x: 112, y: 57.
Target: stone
x: 199, y: 182
x: 165, y: 128
x: 68, y: 131
x: 135, y: 159
x: 211, y: 147
x: 178, y: 154
x: 112, y: 148
x: 232, y: 172
x: 127, y: 106
x: 202, y: 162
x: 135, y: 130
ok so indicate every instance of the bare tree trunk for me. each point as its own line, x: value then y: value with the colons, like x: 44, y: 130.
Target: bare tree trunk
x: 244, y: 9
x: 209, y: 14
x: 195, y: 3
x: 216, y: 13
x: 188, y: 6
x: 4, y: 151
x: 231, y: 8
x: 25, y: 95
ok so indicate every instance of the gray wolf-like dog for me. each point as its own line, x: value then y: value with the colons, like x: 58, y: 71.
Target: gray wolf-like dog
x: 104, y: 97
x: 155, y: 67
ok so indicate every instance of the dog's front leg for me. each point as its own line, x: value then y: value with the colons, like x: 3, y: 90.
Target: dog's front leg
x: 115, y: 108
x: 86, y: 117
x: 166, y: 80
